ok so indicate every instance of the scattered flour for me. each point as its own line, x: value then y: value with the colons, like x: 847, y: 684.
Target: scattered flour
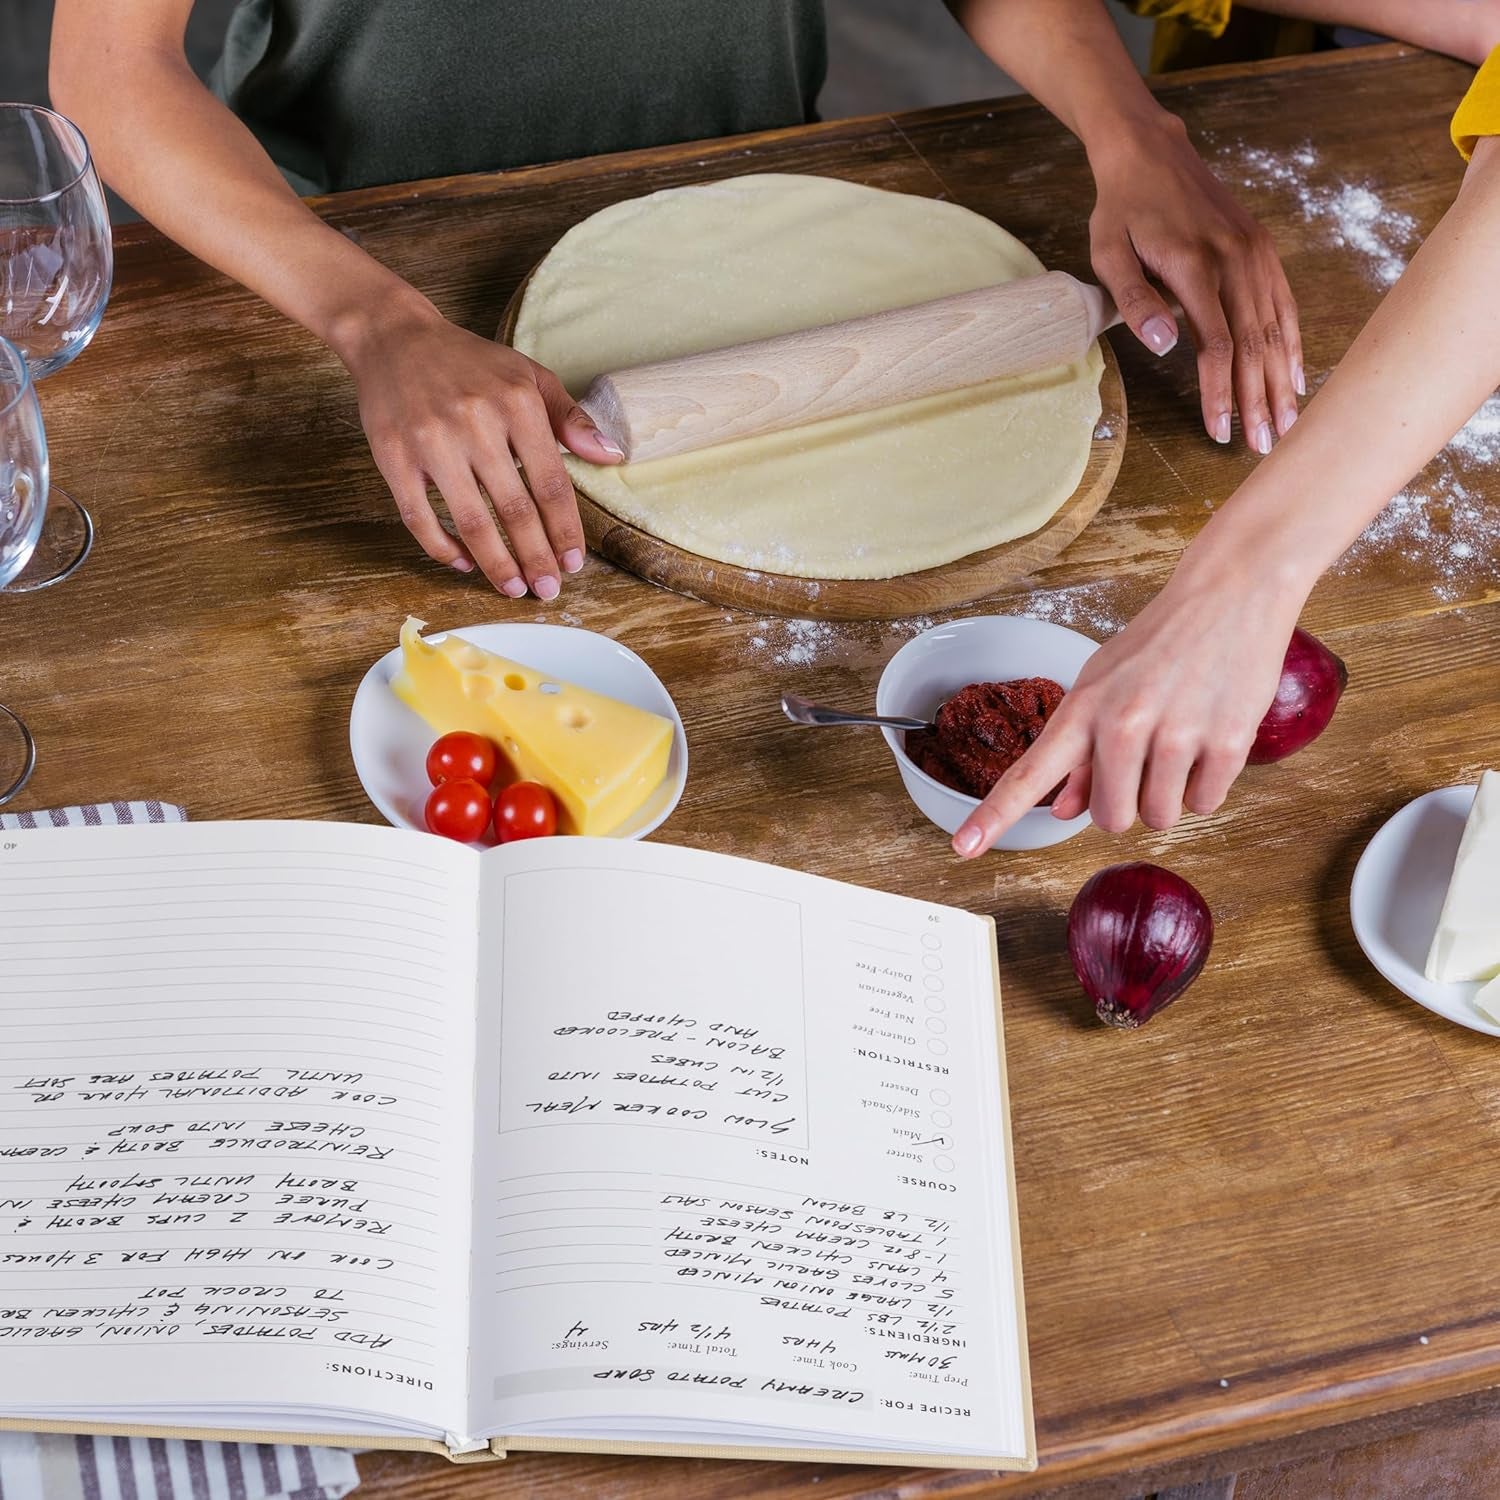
x: 814, y: 643
x: 1092, y: 608
x: 1478, y: 441
x: 796, y: 643
x: 1352, y: 214
x: 1442, y: 524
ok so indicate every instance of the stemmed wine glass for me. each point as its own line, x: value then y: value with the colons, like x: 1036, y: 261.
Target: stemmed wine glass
x: 23, y: 511
x: 56, y: 264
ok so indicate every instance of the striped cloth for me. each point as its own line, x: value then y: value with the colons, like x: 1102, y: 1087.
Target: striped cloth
x: 96, y: 815
x: 48, y: 1466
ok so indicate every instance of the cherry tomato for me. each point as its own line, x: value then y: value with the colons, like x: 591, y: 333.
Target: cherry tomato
x: 459, y: 810
x: 462, y: 757
x: 525, y: 810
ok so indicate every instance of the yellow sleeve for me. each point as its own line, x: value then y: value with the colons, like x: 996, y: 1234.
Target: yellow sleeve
x: 1211, y: 16
x: 1479, y: 114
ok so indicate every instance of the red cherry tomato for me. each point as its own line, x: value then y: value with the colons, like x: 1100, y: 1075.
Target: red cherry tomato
x: 461, y: 756
x: 459, y: 810
x: 525, y: 810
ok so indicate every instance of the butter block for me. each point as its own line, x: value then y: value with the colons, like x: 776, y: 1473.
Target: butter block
x: 1466, y: 944
x: 1488, y: 1001
x: 599, y: 757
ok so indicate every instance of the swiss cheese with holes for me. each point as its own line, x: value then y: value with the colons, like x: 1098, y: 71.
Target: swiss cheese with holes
x: 599, y: 757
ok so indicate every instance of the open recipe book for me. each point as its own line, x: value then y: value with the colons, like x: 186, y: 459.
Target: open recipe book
x: 357, y: 1135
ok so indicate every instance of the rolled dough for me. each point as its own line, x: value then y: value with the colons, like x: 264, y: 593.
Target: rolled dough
x: 867, y: 496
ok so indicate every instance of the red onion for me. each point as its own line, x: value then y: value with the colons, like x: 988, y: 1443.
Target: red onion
x: 1312, y: 678
x: 1137, y: 935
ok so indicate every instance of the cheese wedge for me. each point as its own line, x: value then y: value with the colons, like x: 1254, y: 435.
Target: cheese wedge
x: 599, y: 757
x: 1466, y: 944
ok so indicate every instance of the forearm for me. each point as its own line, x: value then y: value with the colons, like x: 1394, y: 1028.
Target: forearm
x: 1469, y: 29
x: 183, y: 161
x: 1423, y: 364
x: 1068, y: 55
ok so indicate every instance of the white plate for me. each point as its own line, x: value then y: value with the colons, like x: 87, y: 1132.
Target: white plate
x: 390, y: 742
x: 1397, y: 894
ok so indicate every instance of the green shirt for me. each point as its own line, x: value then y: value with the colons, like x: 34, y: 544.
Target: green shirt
x: 345, y: 93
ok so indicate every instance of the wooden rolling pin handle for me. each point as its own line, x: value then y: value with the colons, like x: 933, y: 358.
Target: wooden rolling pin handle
x: 676, y: 406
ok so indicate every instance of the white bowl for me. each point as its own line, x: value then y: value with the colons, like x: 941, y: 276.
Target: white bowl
x: 390, y: 741
x: 931, y: 667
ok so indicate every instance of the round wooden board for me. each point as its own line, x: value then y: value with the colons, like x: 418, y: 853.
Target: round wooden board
x: 946, y: 587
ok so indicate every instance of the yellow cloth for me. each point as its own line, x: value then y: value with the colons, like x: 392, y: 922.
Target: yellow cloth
x: 1194, y: 33
x: 1479, y: 114
x: 1211, y: 16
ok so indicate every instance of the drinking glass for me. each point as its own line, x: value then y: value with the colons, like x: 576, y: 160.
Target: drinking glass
x: 23, y: 511
x: 56, y: 264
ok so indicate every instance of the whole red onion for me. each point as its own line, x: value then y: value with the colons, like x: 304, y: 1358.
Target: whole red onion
x: 1312, y: 678
x: 1137, y: 935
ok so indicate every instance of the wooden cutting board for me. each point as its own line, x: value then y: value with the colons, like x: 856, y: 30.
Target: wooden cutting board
x: 969, y: 578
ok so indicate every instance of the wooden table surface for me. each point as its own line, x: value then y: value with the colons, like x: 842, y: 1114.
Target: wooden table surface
x: 1270, y: 1212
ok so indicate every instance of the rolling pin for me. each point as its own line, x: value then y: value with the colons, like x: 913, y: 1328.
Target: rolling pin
x: 678, y: 405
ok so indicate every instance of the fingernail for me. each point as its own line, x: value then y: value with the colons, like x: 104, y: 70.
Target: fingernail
x: 1159, y: 335
x: 610, y: 445
x: 967, y: 840
x: 1221, y: 428
x: 1263, y: 438
x: 572, y: 560
x: 545, y: 587
x: 1299, y: 381
x: 1288, y: 418
x: 463, y: 565
x: 513, y: 587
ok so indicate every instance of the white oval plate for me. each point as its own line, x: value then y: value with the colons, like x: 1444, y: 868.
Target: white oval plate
x: 1397, y: 893
x: 390, y: 742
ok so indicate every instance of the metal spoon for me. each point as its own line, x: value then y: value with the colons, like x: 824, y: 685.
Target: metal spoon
x: 800, y: 711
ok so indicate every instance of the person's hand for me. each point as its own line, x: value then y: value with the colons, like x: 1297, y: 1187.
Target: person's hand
x: 448, y: 410
x: 1161, y: 717
x: 1161, y: 214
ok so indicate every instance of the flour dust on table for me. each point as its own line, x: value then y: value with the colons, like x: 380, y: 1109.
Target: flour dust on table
x: 1351, y: 215
x: 1446, y: 523
x: 1098, y: 609
x: 872, y: 495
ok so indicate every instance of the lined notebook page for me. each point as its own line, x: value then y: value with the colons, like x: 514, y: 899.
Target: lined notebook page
x: 740, y: 1165
x: 235, y: 1088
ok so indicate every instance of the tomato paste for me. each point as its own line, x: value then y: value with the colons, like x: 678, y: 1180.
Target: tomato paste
x: 982, y: 731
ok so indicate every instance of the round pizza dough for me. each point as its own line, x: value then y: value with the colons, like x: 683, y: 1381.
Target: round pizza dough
x: 872, y: 495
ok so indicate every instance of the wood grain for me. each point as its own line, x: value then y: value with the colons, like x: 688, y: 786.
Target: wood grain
x: 976, y: 576
x: 1263, y: 1223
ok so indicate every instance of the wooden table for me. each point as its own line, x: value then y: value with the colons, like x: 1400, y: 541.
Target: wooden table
x: 1270, y: 1213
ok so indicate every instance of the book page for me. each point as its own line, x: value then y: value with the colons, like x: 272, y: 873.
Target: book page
x: 740, y: 1163
x: 235, y: 1089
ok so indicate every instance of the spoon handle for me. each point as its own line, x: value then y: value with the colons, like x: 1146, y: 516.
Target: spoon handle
x: 800, y: 711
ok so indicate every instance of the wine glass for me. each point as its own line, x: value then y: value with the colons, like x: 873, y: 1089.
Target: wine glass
x: 56, y: 264
x: 23, y: 511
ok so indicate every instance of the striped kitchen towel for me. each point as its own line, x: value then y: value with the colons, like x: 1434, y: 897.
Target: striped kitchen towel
x: 49, y: 1466
x: 96, y: 815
